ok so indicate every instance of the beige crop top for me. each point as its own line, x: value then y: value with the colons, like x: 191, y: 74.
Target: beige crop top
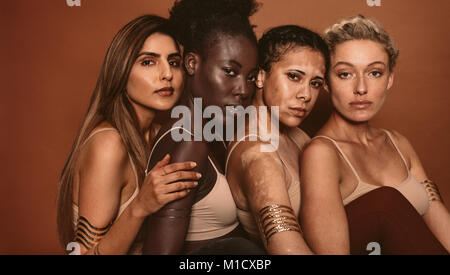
x: 411, y: 188
x: 214, y: 215
x: 136, y: 247
x: 300, y: 138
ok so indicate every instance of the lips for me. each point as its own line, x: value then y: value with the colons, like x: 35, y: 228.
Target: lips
x: 298, y: 111
x: 360, y: 104
x: 166, y: 91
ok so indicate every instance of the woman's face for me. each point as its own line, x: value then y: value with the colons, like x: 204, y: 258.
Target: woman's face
x: 293, y: 84
x: 156, y: 78
x: 359, y: 79
x: 226, y: 75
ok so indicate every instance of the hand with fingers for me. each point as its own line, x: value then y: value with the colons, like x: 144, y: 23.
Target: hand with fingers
x: 165, y: 183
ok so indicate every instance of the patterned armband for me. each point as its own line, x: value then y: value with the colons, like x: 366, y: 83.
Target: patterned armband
x: 88, y: 235
x: 432, y: 190
x: 277, y: 218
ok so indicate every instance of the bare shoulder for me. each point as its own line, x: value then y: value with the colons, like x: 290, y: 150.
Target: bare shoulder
x: 404, y: 145
x: 103, y: 153
x: 410, y: 154
x: 251, y: 153
x: 179, y: 143
x: 320, y: 149
x: 320, y: 165
x: 399, y: 139
x: 105, y: 144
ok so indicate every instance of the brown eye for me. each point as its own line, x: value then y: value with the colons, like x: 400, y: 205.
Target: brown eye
x: 252, y: 78
x: 175, y: 63
x: 317, y: 84
x: 293, y: 76
x: 147, y: 63
x: 229, y: 71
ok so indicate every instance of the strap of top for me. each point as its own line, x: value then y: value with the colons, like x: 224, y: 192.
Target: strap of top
x: 342, y: 154
x: 159, y: 139
x: 396, y: 148
x: 162, y: 136
x: 96, y: 132
x: 113, y: 129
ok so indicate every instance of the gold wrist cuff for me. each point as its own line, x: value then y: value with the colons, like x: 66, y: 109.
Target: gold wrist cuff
x: 432, y: 190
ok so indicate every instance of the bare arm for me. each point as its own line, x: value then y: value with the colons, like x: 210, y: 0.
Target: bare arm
x: 102, y: 176
x: 263, y: 185
x: 437, y: 216
x: 166, y: 230
x: 322, y: 211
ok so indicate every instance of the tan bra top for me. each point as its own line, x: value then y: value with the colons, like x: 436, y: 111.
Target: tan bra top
x: 411, y: 188
x: 214, y: 215
x: 246, y: 218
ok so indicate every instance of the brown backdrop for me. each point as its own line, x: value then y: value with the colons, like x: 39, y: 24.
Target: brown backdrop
x: 53, y: 55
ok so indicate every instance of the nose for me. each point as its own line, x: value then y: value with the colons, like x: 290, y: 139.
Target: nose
x: 361, y: 86
x: 244, y: 89
x: 166, y: 71
x: 304, y: 93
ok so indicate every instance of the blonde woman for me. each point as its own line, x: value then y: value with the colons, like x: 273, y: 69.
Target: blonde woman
x: 350, y: 158
x: 104, y: 193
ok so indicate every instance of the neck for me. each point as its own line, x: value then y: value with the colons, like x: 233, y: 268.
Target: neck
x: 342, y: 128
x: 145, y: 117
x: 187, y: 99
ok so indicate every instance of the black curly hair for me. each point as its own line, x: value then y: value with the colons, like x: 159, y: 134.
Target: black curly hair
x: 278, y: 41
x: 197, y: 23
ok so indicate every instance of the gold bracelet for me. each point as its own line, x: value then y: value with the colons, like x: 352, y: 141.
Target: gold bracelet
x: 277, y: 218
x: 432, y: 190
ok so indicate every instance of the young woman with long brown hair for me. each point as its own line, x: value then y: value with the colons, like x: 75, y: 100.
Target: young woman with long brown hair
x: 104, y: 193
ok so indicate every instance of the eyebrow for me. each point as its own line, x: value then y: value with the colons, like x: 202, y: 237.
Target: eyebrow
x: 303, y: 73
x: 234, y: 62
x: 351, y: 65
x: 158, y: 55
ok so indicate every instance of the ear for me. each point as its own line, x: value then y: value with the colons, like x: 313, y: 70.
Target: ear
x: 191, y: 61
x: 261, y: 79
x: 391, y: 80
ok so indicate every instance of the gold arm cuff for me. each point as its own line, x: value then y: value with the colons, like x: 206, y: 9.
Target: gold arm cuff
x: 277, y: 218
x: 432, y: 190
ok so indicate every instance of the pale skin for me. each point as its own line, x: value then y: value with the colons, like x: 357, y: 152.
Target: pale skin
x: 360, y: 80
x: 104, y: 175
x: 258, y: 179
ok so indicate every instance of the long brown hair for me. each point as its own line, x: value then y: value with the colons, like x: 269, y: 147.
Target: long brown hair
x: 110, y: 103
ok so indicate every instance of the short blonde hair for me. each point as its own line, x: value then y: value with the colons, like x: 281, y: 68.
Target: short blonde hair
x: 361, y: 28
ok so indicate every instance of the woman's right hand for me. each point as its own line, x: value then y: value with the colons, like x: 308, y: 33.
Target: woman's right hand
x: 163, y: 184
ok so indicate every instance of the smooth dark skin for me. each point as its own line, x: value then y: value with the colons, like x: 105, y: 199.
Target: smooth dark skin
x: 224, y: 75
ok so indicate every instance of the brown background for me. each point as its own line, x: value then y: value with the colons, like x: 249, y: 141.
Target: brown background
x: 53, y: 55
